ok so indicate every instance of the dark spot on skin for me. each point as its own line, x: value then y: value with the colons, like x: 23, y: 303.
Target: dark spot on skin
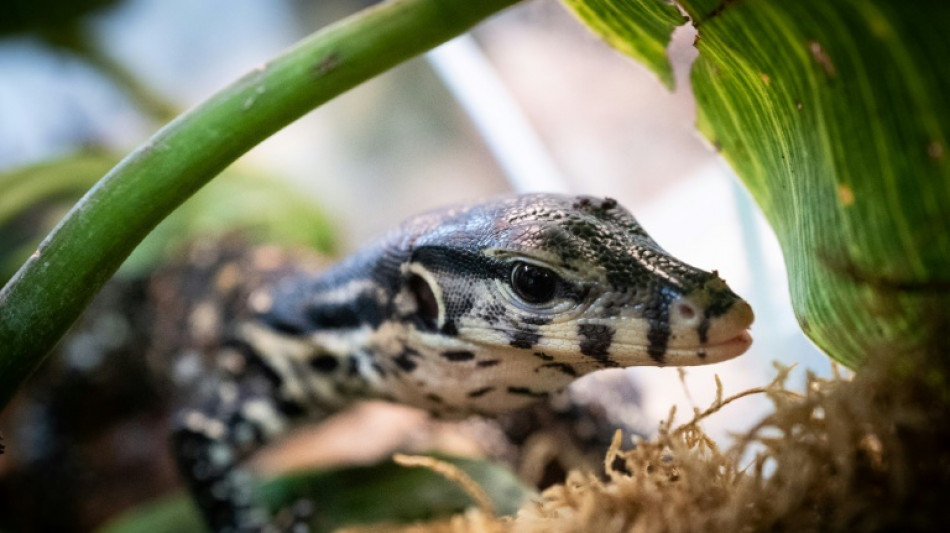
x: 290, y: 408
x: 524, y: 339
x: 284, y: 326
x: 703, y: 330
x: 480, y: 392
x: 286, y: 315
x: 324, y: 363
x: 595, y: 340
x: 657, y: 312
x: 720, y: 302
x: 620, y: 465
x: 254, y: 362
x: 543, y: 356
x: 364, y: 309
x: 658, y: 337
x: 582, y: 203
x: 525, y: 391
x: 563, y: 367
x: 353, y: 366
x: 537, y: 320
x: 450, y: 329
x: 487, y: 363
x: 435, y: 398
x: 404, y: 360
x: 456, y: 356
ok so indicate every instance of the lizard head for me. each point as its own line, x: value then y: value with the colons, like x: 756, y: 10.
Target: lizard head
x: 523, y: 294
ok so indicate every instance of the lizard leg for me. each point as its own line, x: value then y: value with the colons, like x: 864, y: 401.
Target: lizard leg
x: 239, y: 414
x: 574, y: 429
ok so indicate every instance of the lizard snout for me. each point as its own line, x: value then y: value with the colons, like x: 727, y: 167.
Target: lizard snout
x: 711, y: 323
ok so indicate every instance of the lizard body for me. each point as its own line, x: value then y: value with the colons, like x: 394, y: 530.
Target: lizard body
x: 473, y: 309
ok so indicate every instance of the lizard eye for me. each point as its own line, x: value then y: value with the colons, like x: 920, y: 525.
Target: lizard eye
x: 532, y: 283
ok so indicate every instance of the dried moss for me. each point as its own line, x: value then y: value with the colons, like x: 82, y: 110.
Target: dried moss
x: 858, y: 455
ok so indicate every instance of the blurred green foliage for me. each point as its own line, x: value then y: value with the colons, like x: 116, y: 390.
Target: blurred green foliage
x: 261, y: 208
x: 384, y: 492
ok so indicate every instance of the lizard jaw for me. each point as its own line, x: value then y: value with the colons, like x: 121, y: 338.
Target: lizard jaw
x: 703, y: 354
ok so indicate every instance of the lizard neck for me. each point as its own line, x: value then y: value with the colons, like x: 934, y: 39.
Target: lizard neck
x: 327, y: 338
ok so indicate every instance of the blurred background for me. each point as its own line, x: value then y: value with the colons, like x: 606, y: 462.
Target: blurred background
x: 530, y: 101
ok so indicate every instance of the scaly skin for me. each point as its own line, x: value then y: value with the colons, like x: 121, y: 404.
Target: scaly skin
x: 481, y: 309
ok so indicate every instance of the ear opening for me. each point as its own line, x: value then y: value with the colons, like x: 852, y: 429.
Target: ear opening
x: 426, y: 304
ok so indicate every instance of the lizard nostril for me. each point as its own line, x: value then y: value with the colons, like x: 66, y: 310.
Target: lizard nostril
x: 686, y: 311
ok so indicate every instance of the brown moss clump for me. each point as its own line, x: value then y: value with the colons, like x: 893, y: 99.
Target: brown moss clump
x: 867, y: 454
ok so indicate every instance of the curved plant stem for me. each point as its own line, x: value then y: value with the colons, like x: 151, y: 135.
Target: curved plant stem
x: 50, y: 291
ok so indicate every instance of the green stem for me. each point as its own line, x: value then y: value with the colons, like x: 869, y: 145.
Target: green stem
x: 50, y: 291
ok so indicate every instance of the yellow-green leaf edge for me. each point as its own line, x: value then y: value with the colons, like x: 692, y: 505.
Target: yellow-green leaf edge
x: 644, y: 37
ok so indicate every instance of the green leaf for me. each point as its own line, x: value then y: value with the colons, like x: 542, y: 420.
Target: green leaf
x: 643, y: 37
x: 383, y: 492
x: 836, y: 116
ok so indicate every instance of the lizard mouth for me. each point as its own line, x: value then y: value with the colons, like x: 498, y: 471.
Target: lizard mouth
x: 701, y: 354
x: 731, y: 347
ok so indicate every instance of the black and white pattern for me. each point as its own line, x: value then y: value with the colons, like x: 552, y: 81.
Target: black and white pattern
x: 482, y: 309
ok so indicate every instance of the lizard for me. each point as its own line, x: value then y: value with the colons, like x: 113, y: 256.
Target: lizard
x: 480, y: 308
